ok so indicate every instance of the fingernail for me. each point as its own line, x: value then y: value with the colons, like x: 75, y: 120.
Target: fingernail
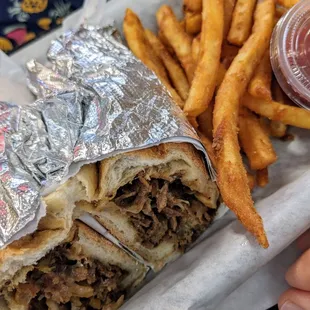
x: 288, y: 305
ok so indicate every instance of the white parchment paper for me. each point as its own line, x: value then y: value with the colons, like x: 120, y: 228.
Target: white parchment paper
x: 13, y: 88
x: 263, y: 289
x: 228, y: 256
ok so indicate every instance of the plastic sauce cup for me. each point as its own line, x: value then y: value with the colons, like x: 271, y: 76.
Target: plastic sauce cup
x: 290, y: 53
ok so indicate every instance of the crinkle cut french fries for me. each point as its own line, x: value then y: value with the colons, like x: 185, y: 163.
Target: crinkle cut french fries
x: 215, y: 63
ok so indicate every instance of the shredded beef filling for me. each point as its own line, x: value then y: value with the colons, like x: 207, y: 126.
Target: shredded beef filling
x: 67, y: 280
x: 162, y: 210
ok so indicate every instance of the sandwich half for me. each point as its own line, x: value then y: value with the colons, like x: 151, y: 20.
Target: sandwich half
x: 155, y: 201
x: 53, y: 227
x: 65, y: 264
x: 85, y: 271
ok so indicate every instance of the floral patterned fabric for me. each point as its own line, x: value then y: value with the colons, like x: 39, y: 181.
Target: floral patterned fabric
x: 24, y: 20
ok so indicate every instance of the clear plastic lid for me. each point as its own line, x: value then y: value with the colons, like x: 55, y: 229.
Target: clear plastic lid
x: 290, y: 53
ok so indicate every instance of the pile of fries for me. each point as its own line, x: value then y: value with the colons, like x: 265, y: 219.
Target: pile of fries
x: 215, y: 63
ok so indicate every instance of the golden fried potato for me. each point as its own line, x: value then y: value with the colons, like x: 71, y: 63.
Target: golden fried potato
x: 204, y: 83
x: 251, y: 181
x: 262, y: 177
x: 196, y: 48
x: 241, y: 24
x: 192, y: 5
x: 287, y: 3
x: 180, y: 41
x: 254, y: 141
x: 260, y: 85
x: 232, y: 177
x: 142, y: 49
x: 193, y: 22
x: 229, y: 6
x: 278, y: 129
x: 174, y: 69
x: 276, y: 111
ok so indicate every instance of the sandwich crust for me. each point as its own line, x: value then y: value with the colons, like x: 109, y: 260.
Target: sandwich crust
x: 177, y: 165
x: 121, y: 169
x: 92, y: 245
x: 53, y: 227
x: 181, y: 167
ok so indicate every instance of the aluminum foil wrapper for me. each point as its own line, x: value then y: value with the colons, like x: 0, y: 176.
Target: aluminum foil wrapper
x: 19, y: 195
x: 96, y: 101
x: 32, y: 156
x: 133, y: 109
x: 36, y: 148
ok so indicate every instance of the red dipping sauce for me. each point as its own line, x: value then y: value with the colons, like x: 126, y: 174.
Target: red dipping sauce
x: 290, y: 53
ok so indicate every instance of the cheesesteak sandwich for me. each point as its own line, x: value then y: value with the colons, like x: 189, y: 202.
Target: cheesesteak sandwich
x: 85, y: 271
x: 65, y: 264
x: 155, y: 201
